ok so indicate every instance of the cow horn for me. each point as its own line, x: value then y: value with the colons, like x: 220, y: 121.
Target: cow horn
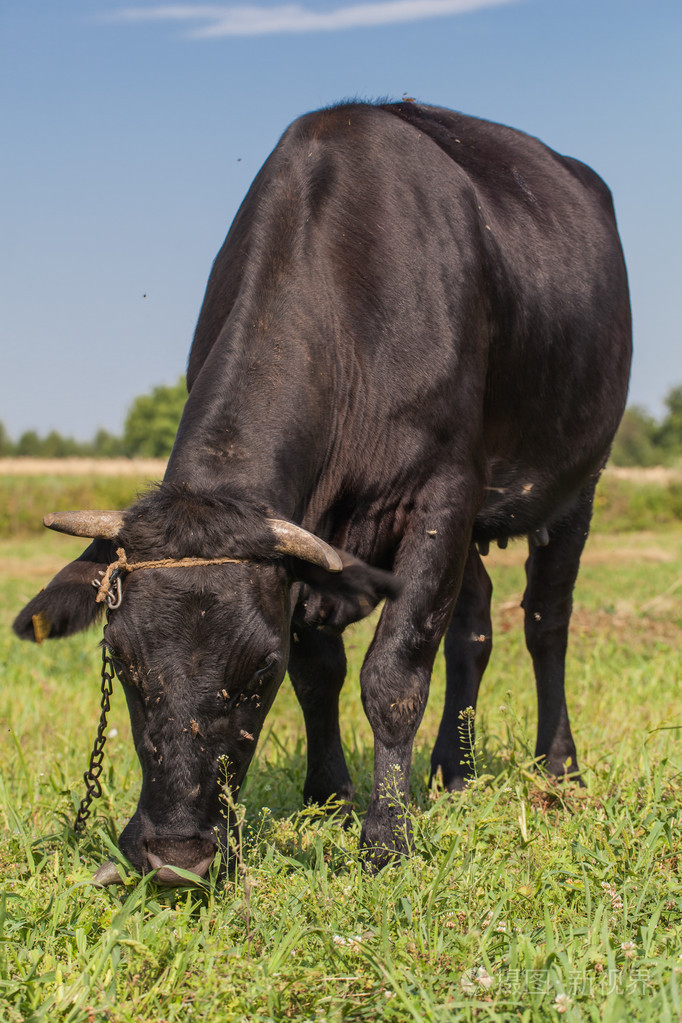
x: 107, y: 874
x: 98, y: 525
x: 291, y: 539
x: 299, y: 543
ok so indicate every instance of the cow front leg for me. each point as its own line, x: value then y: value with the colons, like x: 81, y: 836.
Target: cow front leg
x: 317, y: 669
x: 396, y: 674
x: 551, y: 573
x: 468, y: 643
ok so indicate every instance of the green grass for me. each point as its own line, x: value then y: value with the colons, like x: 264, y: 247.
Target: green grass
x: 625, y: 505
x: 25, y: 499
x: 522, y: 899
x: 622, y: 505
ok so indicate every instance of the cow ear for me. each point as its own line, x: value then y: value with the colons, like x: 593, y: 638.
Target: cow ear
x: 67, y: 604
x: 332, y: 600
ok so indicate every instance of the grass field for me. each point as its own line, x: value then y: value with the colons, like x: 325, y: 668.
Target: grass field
x: 523, y: 901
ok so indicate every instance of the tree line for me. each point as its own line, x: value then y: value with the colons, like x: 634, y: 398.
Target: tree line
x: 643, y: 440
x: 148, y: 432
x: 152, y: 421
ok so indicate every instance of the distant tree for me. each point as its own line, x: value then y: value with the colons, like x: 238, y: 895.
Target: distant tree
x: 56, y: 446
x: 635, y: 442
x: 106, y: 445
x: 669, y: 434
x: 6, y: 445
x: 28, y: 444
x: 152, y: 421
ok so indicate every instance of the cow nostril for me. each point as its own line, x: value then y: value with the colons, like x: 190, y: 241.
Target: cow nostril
x: 193, y: 855
x: 167, y: 872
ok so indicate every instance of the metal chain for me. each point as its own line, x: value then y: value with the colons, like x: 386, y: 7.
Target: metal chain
x: 93, y: 786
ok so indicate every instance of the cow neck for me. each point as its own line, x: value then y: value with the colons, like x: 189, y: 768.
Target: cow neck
x: 248, y: 426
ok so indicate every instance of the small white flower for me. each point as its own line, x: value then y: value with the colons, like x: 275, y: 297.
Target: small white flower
x: 112, y: 733
x: 477, y: 976
x: 562, y: 1002
x: 468, y: 986
x: 629, y: 948
x: 354, y: 941
x: 616, y: 901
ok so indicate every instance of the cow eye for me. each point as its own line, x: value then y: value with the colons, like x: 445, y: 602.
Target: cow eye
x: 112, y: 652
x: 119, y: 666
x: 266, y: 667
x: 116, y: 660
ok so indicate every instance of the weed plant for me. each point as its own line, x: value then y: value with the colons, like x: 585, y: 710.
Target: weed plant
x: 525, y: 900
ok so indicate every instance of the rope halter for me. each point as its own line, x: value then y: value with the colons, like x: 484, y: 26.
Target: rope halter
x: 110, y: 589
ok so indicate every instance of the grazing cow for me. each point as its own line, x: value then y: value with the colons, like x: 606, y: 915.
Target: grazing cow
x: 415, y: 341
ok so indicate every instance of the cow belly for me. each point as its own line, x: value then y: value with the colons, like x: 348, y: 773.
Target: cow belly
x: 524, y: 503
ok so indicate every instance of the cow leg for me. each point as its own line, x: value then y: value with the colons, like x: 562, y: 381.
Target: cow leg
x: 551, y: 573
x: 397, y: 670
x: 317, y: 668
x: 468, y: 643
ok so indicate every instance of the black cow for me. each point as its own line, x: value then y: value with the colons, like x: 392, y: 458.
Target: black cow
x: 415, y: 341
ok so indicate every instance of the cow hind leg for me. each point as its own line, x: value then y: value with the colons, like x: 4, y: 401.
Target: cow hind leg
x: 551, y: 573
x: 317, y: 669
x: 468, y: 643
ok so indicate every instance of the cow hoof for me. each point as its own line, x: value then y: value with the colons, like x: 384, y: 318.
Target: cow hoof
x: 449, y: 775
x: 375, y: 857
x: 337, y: 803
x: 340, y: 810
x: 561, y: 769
x: 457, y: 784
x: 378, y: 849
x: 569, y: 778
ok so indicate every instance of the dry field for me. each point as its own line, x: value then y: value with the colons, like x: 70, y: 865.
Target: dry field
x: 154, y: 468
x: 150, y: 468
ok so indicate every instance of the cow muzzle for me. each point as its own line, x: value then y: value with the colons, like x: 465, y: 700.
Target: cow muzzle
x: 165, y: 855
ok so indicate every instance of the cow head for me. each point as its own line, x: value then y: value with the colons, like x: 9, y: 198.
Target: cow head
x: 200, y: 650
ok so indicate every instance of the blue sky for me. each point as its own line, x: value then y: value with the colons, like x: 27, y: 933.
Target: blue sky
x: 132, y: 130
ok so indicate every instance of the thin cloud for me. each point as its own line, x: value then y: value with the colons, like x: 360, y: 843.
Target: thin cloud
x: 240, y: 20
